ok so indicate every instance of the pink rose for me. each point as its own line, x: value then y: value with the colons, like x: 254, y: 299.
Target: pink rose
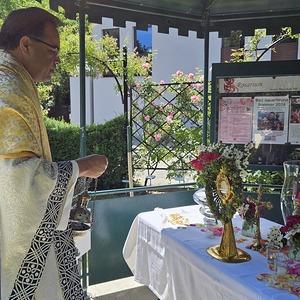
x: 195, y: 99
x: 147, y: 118
x: 191, y: 76
x: 146, y: 66
x: 198, y: 86
x: 179, y: 73
x: 170, y: 118
x: 157, y: 137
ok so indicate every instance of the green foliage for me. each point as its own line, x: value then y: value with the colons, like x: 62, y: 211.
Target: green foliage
x: 265, y: 178
x: 104, y: 56
x: 6, y: 6
x: 252, y: 51
x: 249, y: 52
x: 56, y: 92
x: 64, y: 139
x: 108, y: 139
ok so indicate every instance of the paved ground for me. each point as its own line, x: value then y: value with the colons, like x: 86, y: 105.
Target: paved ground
x: 122, y: 289
x: 159, y: 177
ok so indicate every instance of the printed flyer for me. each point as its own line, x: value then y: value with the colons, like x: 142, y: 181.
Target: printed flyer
x: 235, y: 120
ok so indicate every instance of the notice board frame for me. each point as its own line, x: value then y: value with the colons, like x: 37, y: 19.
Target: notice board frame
x: 250, y: 70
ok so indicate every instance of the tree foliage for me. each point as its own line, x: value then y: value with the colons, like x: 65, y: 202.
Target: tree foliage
x: 252, y: 50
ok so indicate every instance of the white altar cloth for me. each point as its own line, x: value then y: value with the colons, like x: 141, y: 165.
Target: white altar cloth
x: 174, y: 264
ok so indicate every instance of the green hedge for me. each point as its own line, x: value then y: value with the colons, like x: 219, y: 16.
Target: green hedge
x: 108, y: 139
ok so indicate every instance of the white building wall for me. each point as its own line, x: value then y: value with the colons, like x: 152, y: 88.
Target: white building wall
x: 107, y: 102
x: 75, y: 100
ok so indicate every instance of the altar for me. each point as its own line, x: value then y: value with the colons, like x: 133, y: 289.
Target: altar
x: 173, y: 262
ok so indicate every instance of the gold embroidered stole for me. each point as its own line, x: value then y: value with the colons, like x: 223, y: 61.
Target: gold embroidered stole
x: 22, y: 128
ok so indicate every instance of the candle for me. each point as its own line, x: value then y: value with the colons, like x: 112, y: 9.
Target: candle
x: 209, y: 225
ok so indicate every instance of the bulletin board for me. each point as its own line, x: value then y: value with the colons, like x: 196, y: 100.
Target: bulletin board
x: 258, y: 102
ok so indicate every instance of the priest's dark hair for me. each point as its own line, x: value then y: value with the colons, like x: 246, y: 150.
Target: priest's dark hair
x: 29, y: 21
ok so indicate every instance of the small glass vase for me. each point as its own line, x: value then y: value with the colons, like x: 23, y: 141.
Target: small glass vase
x: 249, y: 229
x: 294, y: 250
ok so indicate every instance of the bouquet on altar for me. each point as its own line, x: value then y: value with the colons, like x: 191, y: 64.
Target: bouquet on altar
x: 221, y: 168
x: 211, y: 156
x: 287, y: 238
x: 279, y: 236
x: 247, y: 211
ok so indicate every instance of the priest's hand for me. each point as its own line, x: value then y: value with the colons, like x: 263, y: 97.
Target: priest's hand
x: 92, y: 166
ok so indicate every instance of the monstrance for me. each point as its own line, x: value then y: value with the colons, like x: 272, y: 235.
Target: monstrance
x: 221, y: 193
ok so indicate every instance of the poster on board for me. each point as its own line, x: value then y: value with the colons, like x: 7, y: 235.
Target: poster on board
x: 294, y: 121
x: 235, y: 120
x: 270, y: 119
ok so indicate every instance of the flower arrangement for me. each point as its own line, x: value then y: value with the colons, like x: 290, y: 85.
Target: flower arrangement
x: 222, y: 169
x: 290, y: 232
x: 275, y: 237
x: 291, y: 229
x: 247, y: 211
x: 206, y: 161
x: 252, y: 208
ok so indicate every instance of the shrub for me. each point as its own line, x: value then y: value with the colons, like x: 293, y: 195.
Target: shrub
x: 108, y: 139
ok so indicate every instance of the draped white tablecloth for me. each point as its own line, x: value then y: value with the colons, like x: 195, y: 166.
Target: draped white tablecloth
x: 174, y: 264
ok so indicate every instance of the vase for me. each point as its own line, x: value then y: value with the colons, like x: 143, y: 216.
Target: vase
x: 290, y: 205
x: 227, y: 250
x: 200, y: 198
x: 294, y: 250
x: 249, y: 229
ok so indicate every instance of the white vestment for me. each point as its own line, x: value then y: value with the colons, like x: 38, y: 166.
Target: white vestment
x: 38, y: 259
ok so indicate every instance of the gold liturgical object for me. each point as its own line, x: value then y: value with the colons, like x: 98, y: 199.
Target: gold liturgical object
x: 227, y: 250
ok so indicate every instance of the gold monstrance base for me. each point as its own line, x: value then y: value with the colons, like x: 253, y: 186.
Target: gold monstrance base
x: 227, y: 250
x: 241, y: 256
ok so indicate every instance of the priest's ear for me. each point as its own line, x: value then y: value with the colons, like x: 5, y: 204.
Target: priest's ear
x: 25, y: 44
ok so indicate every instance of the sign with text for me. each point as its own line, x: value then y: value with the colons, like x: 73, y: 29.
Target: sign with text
x: 259, y: 84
